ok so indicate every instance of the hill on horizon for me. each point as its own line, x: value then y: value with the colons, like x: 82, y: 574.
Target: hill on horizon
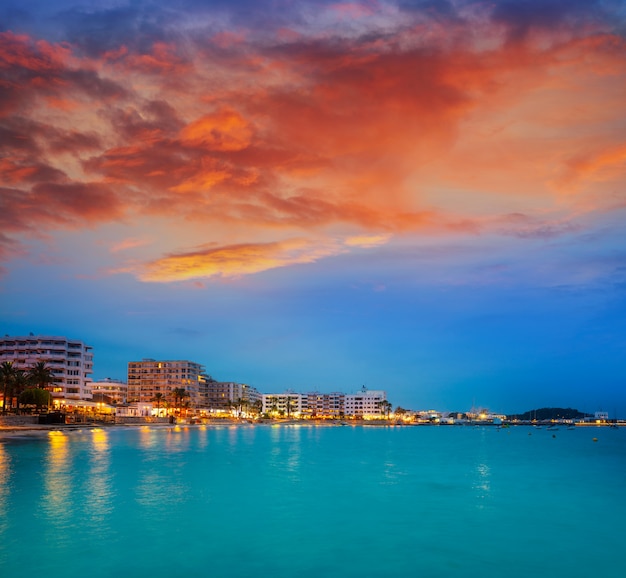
x: 546, y: 413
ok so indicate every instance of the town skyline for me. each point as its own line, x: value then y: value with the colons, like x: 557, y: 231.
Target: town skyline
x: 423, y: 196
x: 57, y: 351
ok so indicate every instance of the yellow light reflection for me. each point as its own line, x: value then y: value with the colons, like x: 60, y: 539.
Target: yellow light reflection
x: 99, y: 480
x: 58, y: 480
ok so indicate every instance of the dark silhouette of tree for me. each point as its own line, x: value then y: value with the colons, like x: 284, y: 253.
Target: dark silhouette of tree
x: 159, y: 398
x: 289, y: 403
x: 41, y: 375
x: 7, y: 377
x: 36, y: 396
x: 21, y: 382
x: 178, y: 394
x: 385, y: 407
x: 257, y: 407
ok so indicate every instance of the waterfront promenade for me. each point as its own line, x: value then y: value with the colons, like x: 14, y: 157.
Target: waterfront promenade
x: 28, y: 425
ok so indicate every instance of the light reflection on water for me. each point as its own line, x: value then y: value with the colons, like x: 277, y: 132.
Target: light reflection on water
x: 5, y: 480
x: 59, y: 484
x: 481, y: 485
x: 163, y: 458
x: 99, y: 482
x: 286, y: 450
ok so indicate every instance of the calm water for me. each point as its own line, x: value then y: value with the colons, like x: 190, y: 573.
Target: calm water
x: 314, y: 501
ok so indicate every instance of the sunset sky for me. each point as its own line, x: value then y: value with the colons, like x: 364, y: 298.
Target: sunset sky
x: 425, y: 197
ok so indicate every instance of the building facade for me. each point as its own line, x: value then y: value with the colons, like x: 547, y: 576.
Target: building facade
x: 366, y: 404
x: 148, y: 377
x: 284, y: 404
x: 70, y: 361
x: 220, y: 395
x: 324, y: 405
x: 109, y: 390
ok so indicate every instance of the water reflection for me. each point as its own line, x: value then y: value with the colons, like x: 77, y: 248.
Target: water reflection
x: 58, y: 481
x: 286, y: 450
x: 163, y: 460
x: 177, y: 440
x: 202, y: 437
x: 482, y: 478
x: 99, y: 483
x: 5, y: 481
x: 391, y: 473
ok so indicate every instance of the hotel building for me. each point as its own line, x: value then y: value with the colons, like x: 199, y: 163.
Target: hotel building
x: 365, y: 404
x: 287, y: 403
x: 324, y: 405
x: 109, y: 390
x: 70, y: 361
x: 219, y: 395
x: 148, y: 377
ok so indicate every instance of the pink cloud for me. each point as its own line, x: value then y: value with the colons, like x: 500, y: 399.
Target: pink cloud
x: 129, y: 243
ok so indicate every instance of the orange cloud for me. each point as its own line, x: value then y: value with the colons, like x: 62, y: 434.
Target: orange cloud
x: 235, y: 260
x: 367, y: 241
x: 604, y: 164
x: 225, y: 130
x: 368, y: 137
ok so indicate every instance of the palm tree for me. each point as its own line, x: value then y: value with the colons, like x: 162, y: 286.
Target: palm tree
x: 273, y: 404
x: 385, y: 407
x: 289, y: 401
x: 235, y: 405
x: 158, y: 397
x: 7, y: 377
x: 257, y: 406
x: 41, y: 375
x: 21, y: 382
x: 178, y: 393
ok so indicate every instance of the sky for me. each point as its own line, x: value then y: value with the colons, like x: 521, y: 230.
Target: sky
x: 425, y: 197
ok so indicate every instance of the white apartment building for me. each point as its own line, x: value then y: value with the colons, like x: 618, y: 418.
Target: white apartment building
x: 114, y: 390
x: 288, y: 403
x: 148, y: 377
x: 70, y: 361
x: 365, y: 403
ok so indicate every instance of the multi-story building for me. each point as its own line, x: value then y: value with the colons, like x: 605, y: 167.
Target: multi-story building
x: 366, y: 404
x: 109, y: 390
x: 220, y: 395
x: 148, y: 377
x: 288, y: 403
x: 70, y: 361
x: 324, y: 405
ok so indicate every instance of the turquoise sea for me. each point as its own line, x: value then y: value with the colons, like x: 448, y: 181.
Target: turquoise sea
x: 305, y: 501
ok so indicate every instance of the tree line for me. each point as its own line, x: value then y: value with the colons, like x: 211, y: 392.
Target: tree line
x: 25, y: 386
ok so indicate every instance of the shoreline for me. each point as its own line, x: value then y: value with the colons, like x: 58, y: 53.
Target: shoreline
x: 28, y: 430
